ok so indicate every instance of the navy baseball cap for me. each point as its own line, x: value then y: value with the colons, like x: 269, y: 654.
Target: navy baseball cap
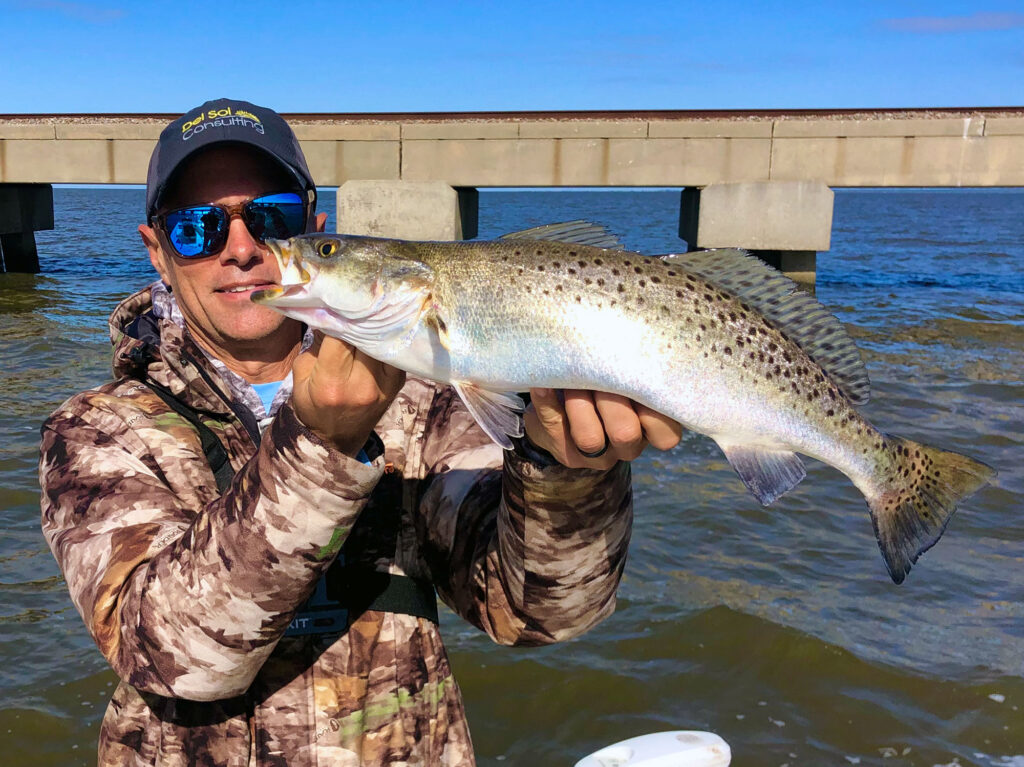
x: 223, y: 121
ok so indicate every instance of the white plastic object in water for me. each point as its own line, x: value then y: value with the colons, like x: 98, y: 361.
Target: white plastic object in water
x: 680, y: 748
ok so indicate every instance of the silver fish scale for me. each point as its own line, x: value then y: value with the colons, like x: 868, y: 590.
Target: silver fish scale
x: 638, y: 326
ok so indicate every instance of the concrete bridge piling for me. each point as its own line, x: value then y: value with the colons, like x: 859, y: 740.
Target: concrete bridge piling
x: 24, y: 210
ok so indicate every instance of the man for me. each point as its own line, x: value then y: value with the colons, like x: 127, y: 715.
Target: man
x: 252, y: 521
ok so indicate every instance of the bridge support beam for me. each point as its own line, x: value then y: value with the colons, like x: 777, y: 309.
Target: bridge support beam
x: 410, y: 210
x: 24, y: 209
x: 785, y: 223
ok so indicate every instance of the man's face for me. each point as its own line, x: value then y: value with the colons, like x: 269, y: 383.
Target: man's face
x: 213, y: 291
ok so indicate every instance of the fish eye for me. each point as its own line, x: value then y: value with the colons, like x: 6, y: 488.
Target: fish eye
x: 326, y: 249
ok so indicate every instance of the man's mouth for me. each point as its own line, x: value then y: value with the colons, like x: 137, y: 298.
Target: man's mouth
x: 245, y: 288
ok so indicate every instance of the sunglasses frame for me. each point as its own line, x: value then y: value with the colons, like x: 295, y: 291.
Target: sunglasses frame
x: 237, y: 209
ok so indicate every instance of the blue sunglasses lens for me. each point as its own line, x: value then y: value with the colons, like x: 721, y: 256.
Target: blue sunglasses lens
x: 276, y: 216
x: 202, y: 230
x: 196, y: 231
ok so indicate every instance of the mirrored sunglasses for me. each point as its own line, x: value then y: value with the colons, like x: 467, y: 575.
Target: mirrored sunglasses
x: 202, y: 230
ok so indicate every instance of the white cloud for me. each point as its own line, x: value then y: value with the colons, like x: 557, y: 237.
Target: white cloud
x: 976, y: 22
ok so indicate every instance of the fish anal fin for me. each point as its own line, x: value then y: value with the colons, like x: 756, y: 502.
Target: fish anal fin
x: 766, y: 473
x: 498, y: 413
x: 577, y: 232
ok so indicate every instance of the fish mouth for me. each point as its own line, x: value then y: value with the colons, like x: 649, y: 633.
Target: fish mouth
x: 296, y: 277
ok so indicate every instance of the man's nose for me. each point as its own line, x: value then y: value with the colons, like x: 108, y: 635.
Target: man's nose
x: 241, y: 247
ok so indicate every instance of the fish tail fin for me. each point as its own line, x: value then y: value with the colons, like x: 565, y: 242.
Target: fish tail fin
x: 914, y: 503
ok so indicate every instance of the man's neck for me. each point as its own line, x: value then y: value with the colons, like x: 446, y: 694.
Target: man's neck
x: 264, y: 361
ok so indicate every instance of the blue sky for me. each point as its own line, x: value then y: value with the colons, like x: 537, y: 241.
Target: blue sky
x: 309, y: 56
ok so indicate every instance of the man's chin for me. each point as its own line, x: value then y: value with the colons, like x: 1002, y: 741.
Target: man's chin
x: 264, y: 328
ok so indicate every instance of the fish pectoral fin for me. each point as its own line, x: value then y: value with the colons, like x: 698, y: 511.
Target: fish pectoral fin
x: 498, y: 413
x: 766, y: 473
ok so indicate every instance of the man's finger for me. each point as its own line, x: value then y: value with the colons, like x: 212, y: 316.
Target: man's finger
x: 585, y: 425
x: 661, y: 431
x: 548, y: 409
x: 621, y: 424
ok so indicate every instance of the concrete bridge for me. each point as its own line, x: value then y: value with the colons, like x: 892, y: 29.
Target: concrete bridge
x: 760, y: 180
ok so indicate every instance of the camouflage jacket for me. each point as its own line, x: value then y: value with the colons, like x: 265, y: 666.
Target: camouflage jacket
x: 189, y: 594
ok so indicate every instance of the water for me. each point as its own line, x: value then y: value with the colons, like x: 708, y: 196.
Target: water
x: 776, y: 628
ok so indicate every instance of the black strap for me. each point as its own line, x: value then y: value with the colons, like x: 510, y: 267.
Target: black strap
x: 360, y: 590
x: 354, y: 589
x: 213, y: 449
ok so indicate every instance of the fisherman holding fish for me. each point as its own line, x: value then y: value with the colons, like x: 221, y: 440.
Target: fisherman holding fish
x: 253, y: 519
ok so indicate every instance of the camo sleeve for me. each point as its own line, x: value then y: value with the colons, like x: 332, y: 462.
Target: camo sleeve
x: 183, y: 599
x: 530, y: 555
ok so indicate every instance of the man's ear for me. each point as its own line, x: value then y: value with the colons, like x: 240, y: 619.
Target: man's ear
x: 320, y: 222
x: 156, y: 252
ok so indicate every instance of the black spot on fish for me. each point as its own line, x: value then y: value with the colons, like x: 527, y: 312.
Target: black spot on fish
x: 643, y: 283
x: 621, y: 288
x: 679, y: 294
x: 558, y: 288
x: 598, y: 262
x: 600, y: 281
x: 671, y: 273
x: 655, y: 279
x: 540, y: 267
x: 557, y: 264
x: 638, y: 270
x: 727, y: 350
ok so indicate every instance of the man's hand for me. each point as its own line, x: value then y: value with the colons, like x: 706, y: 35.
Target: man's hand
x: 584, y: 421
x: 340, y: 393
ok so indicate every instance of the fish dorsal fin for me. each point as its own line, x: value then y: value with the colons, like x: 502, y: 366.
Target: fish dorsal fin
x: 578, y: 232
x: 794, y: 311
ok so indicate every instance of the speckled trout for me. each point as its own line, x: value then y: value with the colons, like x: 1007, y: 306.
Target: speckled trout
x: 715, y: 339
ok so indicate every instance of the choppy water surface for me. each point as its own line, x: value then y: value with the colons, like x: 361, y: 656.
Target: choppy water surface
x: 776, y: 628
